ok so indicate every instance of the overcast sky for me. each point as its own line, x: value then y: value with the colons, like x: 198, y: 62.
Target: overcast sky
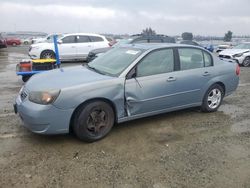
x: 171, y: 17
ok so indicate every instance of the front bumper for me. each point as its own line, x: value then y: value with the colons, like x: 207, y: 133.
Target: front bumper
x: 238, y: 60
x: 43, y: 119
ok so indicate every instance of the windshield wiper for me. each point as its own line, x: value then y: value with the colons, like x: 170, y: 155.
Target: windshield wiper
x: 94, y: 69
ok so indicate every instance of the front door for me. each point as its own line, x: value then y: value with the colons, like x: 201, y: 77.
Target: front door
x: 152, y: 88
x: 67, y: 49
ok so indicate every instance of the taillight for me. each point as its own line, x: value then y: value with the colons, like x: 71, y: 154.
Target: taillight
x: 237, y: 71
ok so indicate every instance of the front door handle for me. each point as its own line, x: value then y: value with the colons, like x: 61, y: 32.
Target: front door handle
x: 206, y: 73
x: 171, y: 79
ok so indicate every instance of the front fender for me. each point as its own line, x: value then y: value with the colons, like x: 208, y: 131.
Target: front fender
x: 112, y: 90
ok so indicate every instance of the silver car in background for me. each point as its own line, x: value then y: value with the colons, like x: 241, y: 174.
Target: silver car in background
x: 126, y: 83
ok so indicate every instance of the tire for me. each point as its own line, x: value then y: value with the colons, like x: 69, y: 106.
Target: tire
x: 14, y: 44
x: 26, y: 42
x: 213, y: 98
x: 246, y: 62
x: 93, y: 121
x: 25, y: 78
x: 47, y: 54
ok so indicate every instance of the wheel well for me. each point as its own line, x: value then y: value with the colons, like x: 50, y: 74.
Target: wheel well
x: 46, y: 51
x: 89, y: 101
x: 223, y: 87
x: 247, y: 57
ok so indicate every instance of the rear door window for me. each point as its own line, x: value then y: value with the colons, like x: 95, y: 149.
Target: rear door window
x: 95, y: 39
x: 190, y: 58
x: 82, y: 39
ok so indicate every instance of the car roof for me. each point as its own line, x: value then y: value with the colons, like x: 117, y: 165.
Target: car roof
x: 89, y: 34
x: 151, y: 46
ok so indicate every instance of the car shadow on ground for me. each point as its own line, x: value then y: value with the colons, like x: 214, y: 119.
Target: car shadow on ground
x: 138, y: 124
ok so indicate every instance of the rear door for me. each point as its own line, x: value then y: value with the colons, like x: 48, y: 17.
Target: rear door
x: 83, y: 46
x: 195, y: 71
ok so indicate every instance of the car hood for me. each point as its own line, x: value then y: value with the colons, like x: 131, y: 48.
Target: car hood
x: 233, y: 51
x: 100, y: 50
x: 64, y: 78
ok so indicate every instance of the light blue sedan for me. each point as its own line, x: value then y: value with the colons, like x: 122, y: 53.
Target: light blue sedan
x: 126, y: 83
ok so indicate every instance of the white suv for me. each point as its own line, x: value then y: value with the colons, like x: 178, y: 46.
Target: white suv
x: 239, y: 53
x: 74, y: 46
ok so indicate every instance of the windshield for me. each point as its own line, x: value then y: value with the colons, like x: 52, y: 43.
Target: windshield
x: 243, y: 46
x: 115, y: 61
x: 49, y: 38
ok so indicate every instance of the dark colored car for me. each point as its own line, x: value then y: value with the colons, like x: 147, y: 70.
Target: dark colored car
x: 189, y: 42
x: 2, y: 42
x: 13, y: 41
x: 134, y: 39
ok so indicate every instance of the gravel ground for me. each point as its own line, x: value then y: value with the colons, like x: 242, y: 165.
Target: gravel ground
x: 179, y: 149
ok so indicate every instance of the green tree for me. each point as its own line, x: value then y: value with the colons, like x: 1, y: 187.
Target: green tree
x: 187, y: 36
x: 228, y: 36
x: 148, y: 31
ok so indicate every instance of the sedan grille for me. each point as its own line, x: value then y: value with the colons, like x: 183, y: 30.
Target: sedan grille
x: 23, y: 95
x: 225, y: 56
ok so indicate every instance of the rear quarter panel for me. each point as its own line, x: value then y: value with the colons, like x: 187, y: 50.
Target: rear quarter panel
x: 224, y: 72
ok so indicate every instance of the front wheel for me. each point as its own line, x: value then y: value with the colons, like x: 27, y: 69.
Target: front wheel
x: 47, y: 54
x: 213, y: 98
x: 93, y: 121
x: 246, y: 62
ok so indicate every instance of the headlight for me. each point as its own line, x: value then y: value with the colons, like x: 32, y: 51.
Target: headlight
x: 43, y: 97
x: 34, y: 47
x: 238, y: 55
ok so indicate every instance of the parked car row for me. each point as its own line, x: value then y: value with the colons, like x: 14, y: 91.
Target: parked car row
x: 134, y: 39
x: 3, y: 43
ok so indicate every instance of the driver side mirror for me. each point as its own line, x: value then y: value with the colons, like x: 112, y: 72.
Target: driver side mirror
x: 131, y: 74
x: 59, y: 41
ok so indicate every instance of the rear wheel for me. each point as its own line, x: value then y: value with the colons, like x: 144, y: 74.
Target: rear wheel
x: 47, y: 54
x: 246, y: 62
x: 14, y: 44
x: 93, y: 121
x: 213, y: 98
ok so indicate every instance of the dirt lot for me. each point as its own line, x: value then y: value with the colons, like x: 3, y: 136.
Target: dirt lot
x: 180, y: 149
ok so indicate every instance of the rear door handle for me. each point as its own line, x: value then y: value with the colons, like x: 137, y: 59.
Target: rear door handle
x: 171, y: 79
x: 206, y: 73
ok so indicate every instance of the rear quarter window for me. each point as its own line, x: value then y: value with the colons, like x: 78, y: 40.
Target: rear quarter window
x: 208, y: 59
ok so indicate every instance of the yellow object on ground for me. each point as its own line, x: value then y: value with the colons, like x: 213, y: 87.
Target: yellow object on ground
x: 43, y: 61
